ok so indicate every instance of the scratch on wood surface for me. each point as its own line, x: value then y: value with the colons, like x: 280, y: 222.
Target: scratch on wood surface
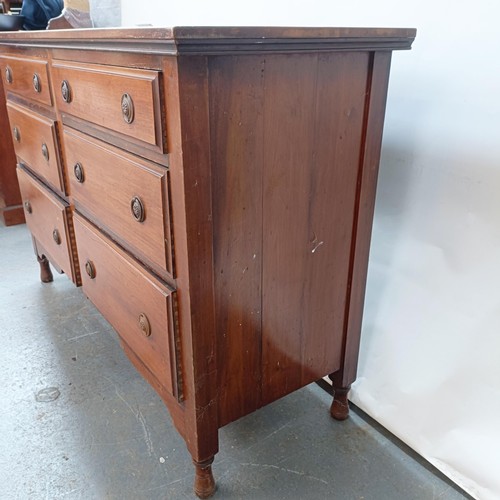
x: 202, y: 379
x: 203, y: 409
x: 314, y: 241
x: 317, y: 246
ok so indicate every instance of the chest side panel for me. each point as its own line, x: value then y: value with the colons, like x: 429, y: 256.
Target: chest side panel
x: 286, y: 135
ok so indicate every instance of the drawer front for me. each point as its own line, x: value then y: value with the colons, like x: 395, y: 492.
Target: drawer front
x: 124, y: 100
x: 126, y: 195
x: 35, y: 143
x: 26, y: 77
x: 50, y: 222
x: 138, y: 306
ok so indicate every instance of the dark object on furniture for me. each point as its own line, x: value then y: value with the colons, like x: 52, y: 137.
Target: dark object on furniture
x: 214, y: 196
x: 10, y: 22
x: 12, y: 6
x: 37, y: 13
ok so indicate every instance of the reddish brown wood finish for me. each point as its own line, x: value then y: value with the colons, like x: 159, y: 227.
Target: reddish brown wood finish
x: 237, y: 134
x: 50, y: 223
x: 204, y: 484
x: 96, y: 96
x: 186, y: 91
x: 110, y: 180
x: 143, y: 317
x: 23, y: 72
x: 222, y: 40
x: 340, y: 404
x: 11, y: 210
x: 308, y: 210
x: 365, y: 205
x: 278, y: 173
x: 34, y: 131
x: 262, y: 217
x: 45, y: 272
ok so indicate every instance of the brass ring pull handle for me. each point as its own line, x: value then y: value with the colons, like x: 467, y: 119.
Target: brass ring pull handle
x: 56, y: 236
x: 137, y: 209
x: 144, y: 325
x: 37, y: 84
x: 17, y: 134
x: 127, y: 108
x: 66, y: 91
x: 27, y: 206
x: 78, y: 170
x: 90, y: 269
x: 45, y: 151
x: 8, y: 74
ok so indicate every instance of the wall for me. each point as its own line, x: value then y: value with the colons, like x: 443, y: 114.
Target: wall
x: 105, y: 12
x: 429, y: 368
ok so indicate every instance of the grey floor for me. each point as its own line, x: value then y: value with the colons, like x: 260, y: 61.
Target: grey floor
x: 78, y: 422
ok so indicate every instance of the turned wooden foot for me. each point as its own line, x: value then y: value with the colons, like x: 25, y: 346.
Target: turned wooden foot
x: 45, y: 272
x: 204, y: 484
x: 340, y: 405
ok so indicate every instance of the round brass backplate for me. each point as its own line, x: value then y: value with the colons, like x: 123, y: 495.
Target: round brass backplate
x: 8, y: 75
x: 137, y: 209
x: 90, y: 269
x: 144, y: 325
x: 78, y: 171
x: 127, y: 108
x: 66, y: 91
x: 37, y: 84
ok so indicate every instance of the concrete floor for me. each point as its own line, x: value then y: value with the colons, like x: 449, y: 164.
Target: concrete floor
x: 78, y: 422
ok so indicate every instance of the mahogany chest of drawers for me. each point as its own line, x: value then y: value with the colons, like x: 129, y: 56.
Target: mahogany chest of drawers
x: 212, y: 190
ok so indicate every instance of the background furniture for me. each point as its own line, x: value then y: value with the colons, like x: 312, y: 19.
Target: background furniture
x: 213, y: 190
x: 11, y: 6
x: 11, y: 211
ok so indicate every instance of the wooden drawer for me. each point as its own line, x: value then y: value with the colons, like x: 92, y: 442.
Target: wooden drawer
x: 138, y: 305
x: 123, y: 100
x: 111, y: 184
x: 50, y: 222
x: 35, y: 143
x: 26, y: 77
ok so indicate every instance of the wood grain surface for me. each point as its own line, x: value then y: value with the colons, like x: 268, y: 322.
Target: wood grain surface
x: 111, y: 180
x: 286, y: 135
x: 96, y: 94
x: 365, y: 206
x: 237, y: 134
x: 123, y: 291
x: 34, y: 131
x: 23, y: 71
x: 309, y: 201
x: 49, y: 214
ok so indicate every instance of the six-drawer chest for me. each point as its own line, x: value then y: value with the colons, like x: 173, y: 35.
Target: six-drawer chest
x: 212, y: 191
